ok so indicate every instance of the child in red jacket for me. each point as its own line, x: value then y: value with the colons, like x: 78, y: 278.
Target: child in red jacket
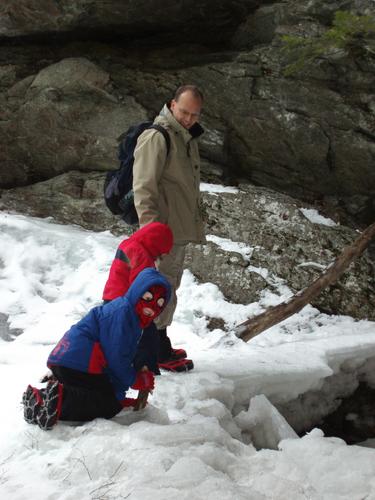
x: 141, y: 250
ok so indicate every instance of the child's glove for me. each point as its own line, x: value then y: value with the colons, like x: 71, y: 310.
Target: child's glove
x: 144, y: 381
x: 127, y: 402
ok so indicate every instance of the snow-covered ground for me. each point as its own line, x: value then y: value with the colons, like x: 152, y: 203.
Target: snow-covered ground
x: 195, y: 440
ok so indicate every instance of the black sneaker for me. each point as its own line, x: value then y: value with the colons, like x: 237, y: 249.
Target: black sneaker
x: 49, y: 413
x: 32, y: 400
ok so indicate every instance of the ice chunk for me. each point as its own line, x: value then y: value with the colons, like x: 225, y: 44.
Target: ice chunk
x: 264, y: 424
x: 149, y: 414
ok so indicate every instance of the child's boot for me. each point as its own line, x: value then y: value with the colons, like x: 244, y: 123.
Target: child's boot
x: 32, y: 400
x: 49, y: 413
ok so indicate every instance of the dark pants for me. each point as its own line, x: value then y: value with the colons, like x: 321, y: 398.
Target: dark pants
x: 165, y: 346
x: 147, y: 351
x: 85, y: 396
x: 153, y: 347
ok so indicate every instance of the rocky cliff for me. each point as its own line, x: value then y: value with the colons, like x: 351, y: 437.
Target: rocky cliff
x: 74, y: 75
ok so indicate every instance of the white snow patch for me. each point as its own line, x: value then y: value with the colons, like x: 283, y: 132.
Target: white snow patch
x: 217, y: 188
x: 314, y: 216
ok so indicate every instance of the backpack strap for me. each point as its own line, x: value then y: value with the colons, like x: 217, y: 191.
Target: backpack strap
x: 163, y: 131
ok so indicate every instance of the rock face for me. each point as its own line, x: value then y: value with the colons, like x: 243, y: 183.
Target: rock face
x: 74, y: 75
x: 169, y: 20
x: 57, y: 122
x: 283, y: 246
x: 286, y: 248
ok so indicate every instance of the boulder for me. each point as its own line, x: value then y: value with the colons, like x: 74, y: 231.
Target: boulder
x: 63, y: 118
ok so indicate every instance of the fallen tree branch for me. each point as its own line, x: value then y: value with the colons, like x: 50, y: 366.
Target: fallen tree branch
x: 273, y: 315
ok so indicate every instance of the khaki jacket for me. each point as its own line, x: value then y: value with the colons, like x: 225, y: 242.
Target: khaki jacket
x: 166, y: 188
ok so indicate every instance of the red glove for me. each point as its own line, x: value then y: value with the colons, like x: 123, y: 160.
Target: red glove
x: 125, y: 403
x: 144, y: 381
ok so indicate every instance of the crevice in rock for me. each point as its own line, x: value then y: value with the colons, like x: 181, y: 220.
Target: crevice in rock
x: 129, y: 36
x: 354, y: 420
x: 331, y: 158
x: 365, y: 133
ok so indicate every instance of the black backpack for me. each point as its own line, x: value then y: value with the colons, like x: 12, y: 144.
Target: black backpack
x: 118, y: 184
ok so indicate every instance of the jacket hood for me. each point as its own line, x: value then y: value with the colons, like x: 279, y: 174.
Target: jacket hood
x: 155, y: 237
x: 146, y: 279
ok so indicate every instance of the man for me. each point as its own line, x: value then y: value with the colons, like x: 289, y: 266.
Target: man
x: 166, y: 189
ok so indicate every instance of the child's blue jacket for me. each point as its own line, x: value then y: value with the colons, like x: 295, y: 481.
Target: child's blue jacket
x: 106, y: 339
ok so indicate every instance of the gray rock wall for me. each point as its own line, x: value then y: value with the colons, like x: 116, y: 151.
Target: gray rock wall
x: 74, y: 75
x: 169, y: 19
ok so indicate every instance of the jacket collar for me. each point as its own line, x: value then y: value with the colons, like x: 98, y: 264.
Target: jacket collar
x: 193, y: 133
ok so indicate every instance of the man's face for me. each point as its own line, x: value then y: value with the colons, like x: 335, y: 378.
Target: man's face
x: 187, y: 109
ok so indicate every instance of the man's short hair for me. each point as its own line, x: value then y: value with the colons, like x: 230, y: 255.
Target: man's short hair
x: 188, y: 88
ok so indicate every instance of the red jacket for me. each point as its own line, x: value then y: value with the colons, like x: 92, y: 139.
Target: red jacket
x: 134, y: 254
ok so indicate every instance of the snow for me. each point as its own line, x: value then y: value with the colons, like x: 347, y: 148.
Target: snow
x: 217, y: 188
x: 266, y: 426
x: 231, y: 246
x: 213, y: 433
x: 316, y: 218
